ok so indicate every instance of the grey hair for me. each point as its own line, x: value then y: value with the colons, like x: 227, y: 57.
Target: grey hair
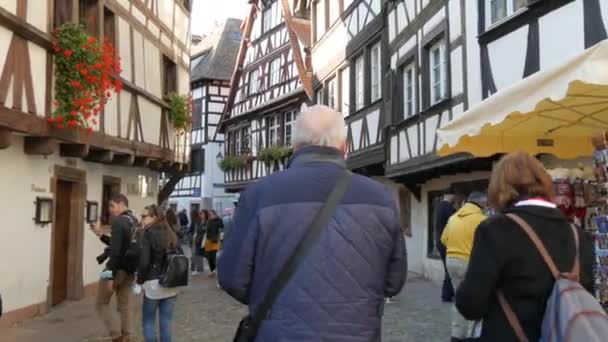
x: 319, y: 126
x: 478, y: 198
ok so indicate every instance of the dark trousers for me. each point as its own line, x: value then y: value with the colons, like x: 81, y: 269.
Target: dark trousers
x: 211, y: 256
x: 447, y: 290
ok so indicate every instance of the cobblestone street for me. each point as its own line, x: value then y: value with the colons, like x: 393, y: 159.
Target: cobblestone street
x: 205, y: 313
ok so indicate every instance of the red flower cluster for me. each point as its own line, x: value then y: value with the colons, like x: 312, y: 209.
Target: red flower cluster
x: 87, y: 71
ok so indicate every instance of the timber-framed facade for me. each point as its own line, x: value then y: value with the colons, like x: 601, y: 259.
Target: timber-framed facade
x: 272, y: 79
x: 132, y: 141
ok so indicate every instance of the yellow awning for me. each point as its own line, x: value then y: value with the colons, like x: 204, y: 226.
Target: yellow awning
x: 556, y: 111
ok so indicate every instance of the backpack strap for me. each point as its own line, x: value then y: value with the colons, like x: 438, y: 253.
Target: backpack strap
x: 573, y: 275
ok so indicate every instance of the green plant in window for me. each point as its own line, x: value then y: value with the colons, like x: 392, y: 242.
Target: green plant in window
x: 271, y: 154
x: 230, y: 163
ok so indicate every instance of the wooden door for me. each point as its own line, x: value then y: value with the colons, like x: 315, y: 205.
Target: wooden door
x: 61, y: 244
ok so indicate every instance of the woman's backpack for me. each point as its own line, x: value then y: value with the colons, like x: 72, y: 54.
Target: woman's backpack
x: 572, y: 313
x: 175, y: 273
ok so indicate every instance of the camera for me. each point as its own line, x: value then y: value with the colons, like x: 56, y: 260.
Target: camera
x: 101, y: 258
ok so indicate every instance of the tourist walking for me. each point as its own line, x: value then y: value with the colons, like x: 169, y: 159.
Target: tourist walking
x: 118, y: 276
x: 458, y: 238
x: 445, y: 209
x: 357, y: 253
x: 172, y: 220
x: 198, y: 248
x: 213, y: 230
x: 157, y: 240
x: 504, y: 258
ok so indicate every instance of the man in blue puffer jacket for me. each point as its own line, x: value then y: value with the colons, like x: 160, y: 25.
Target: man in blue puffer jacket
x: 337, y: 293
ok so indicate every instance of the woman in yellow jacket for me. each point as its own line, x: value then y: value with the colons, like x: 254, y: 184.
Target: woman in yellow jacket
x: 458, y: 239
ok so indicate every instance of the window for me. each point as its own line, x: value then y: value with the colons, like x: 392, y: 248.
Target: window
x: 254, y: 82
x: 500, y: 9
x: 169, y: 76
x: 274, y: 127
x: 290, y: 118
x: 267, y: 20
x: 62, y: 12
x: 409, y: 91
x: 376, y: 73
x: 438, y: 71
x: 197, y: 113
x: 245, y: 138
x: 359, y: 82
x: 110, y: 187
x: 320, y: 96
x: 275, y: 71
x: 331, y: 94
x: 197, y: 161
x: 89, y: 15
x: 319, y: 19
x: 345, y: 86
x: 109, y: 25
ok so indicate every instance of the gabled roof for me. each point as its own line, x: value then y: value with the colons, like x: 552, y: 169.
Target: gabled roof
x: 215, y: 56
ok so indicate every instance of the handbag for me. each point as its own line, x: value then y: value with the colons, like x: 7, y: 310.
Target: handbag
x: 248, y: 327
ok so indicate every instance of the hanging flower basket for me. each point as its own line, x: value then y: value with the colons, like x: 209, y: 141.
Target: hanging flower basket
x: 271, y: 154
x: 230, y: 163
x: 180, y: 111
x: 85, y: 76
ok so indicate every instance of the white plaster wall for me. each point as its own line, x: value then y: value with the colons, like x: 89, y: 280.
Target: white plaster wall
x: 561, y: 34
x: 124, y: 49
x: 140, y: 59
x: 152, y: 66
x: 473, y: 59
x: 150, y: 120
x: 183, y: 80
x: 37, y: 14
x: 38, y: 68
x: 508, y: 57
x: 9, y: 5
x: 25, y: 283
x: 111, y: 116
x: 455, y: 19
x: 166, y: 8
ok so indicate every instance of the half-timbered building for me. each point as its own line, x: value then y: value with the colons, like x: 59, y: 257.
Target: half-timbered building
x: 54, y: 181
x: 271, y: 80
x: 350, y: 64
x: 447, y: 57
x: 212, y: 65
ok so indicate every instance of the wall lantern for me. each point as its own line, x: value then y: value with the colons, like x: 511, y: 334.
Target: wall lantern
x: 44, y: 211
x: 92, y: 212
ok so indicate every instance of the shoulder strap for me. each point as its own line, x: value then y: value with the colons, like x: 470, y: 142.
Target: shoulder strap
x: 512, y: 318
x: 303, y: 247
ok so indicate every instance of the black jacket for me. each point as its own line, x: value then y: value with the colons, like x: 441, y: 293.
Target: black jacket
x: 214, y: 227
x: 153, y: 253
x: 122, y: 230
x: 504, y: 257
x: 444, y: 211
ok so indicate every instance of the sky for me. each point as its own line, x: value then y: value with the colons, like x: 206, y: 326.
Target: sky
x: 206, y: 13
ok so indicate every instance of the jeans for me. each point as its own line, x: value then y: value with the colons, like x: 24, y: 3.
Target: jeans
x: 165, y: 308
x: 461, y: 328
x: 122, y: 287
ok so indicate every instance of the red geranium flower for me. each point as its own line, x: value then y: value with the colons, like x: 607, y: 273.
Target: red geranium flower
x: 72, y: 123
x: 56, y: 48
x: 50, y: 120
x: 59, y: 125
x: 68, y: 53
x: 75, y: 84
x: 74, y: 113
x: 92, y: 40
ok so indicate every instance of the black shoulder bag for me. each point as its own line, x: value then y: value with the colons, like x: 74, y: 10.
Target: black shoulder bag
x: 248, y: 327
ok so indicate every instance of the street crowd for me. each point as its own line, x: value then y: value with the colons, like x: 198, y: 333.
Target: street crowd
x: 314, y: 252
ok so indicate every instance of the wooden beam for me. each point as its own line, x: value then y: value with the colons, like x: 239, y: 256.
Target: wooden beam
x: 141, y: 162
x: 100, y: 156
x: 124, y: 159
x: 136, y: 90
x: 38, y: 127
x: 74, y: 150
x: 6, y: 138
x: 40, y: 146
x: 156, y: 165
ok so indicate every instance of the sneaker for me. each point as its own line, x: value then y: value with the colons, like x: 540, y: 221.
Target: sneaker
x: 389, y: 300
x: 194, y: 273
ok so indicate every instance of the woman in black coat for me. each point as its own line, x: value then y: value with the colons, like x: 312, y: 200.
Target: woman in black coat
x: 504, y: 258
